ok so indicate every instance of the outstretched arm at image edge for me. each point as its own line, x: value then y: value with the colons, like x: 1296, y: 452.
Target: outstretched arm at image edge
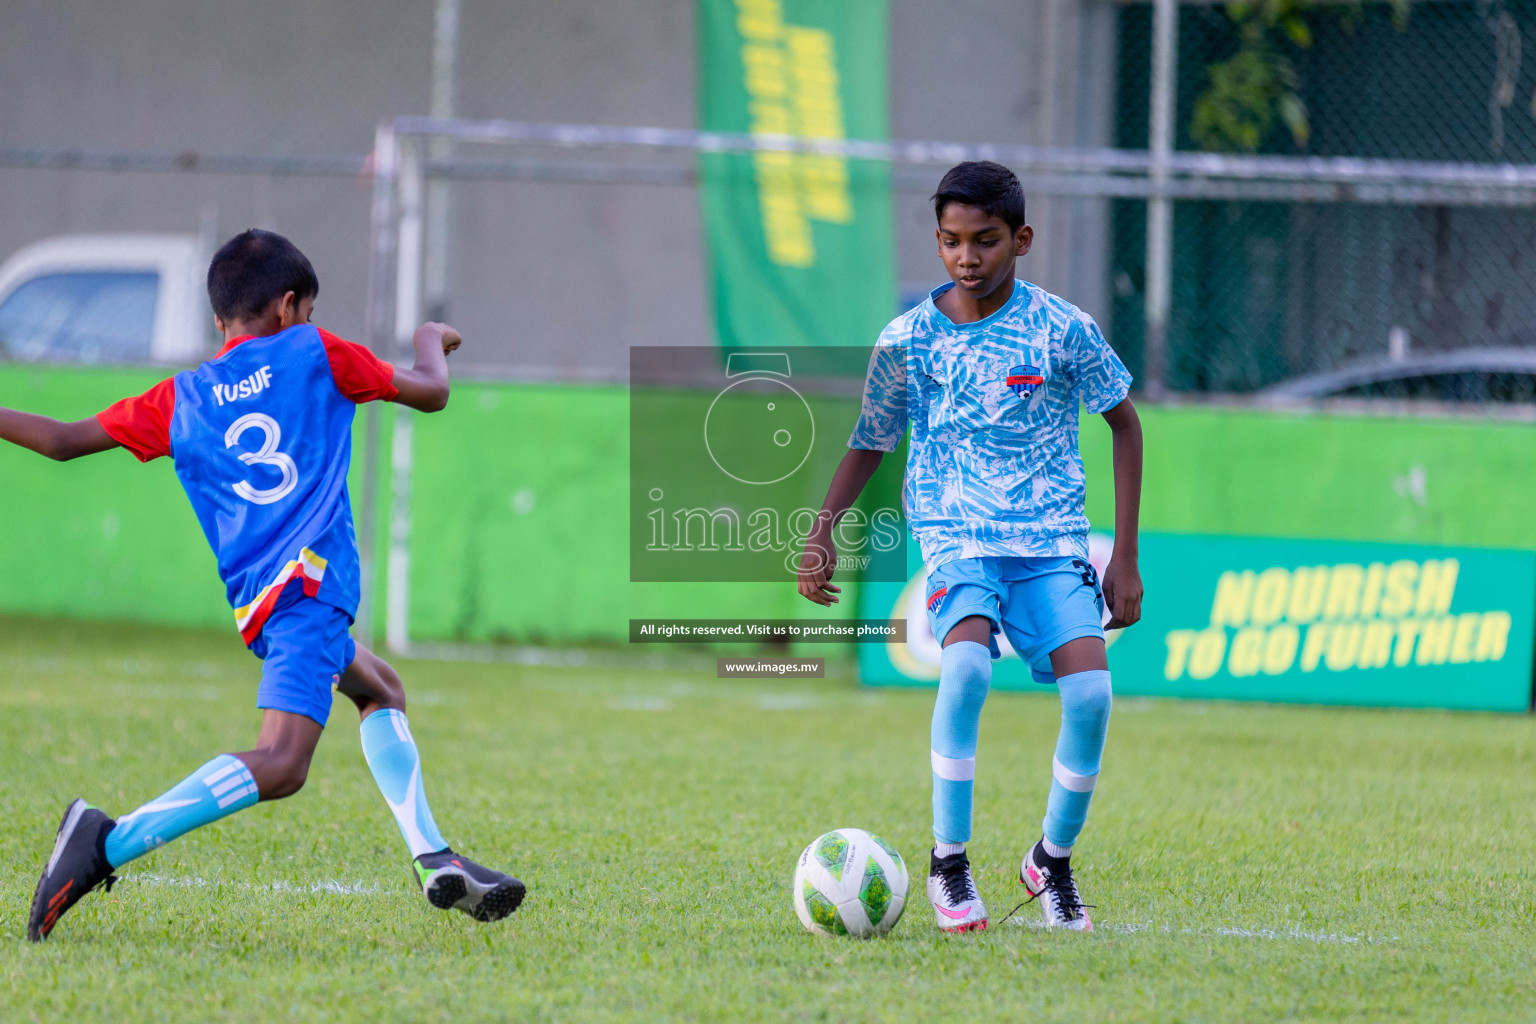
x: 820, y: 557
x: 53, y: 438
x: 1122, y: 578
x: 424, y: 387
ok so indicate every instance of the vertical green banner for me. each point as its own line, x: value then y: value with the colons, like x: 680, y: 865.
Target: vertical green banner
x: 800, y: 245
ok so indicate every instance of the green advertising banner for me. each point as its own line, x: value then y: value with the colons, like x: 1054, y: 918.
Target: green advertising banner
x: 1305, y: 621
x: 782, y: 227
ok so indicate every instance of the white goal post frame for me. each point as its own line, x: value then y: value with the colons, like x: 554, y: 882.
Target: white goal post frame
x: 401, y: 164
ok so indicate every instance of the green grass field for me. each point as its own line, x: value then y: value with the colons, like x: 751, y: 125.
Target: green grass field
x: 1247, y: 862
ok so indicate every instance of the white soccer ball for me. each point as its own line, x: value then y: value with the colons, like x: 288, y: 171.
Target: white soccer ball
x: 849, y: 882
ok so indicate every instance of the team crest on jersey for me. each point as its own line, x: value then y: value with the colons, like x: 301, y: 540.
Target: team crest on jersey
x: 1022, y: 380
x: 937, y: 596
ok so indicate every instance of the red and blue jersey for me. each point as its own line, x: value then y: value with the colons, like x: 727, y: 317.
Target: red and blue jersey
x: 261, y: 436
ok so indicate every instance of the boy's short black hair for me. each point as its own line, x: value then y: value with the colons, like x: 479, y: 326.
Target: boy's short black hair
x: 255, y: 269
x: 982, y: 183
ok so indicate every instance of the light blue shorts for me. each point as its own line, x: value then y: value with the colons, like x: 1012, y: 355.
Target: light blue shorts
x: 1038, y: 603
x: 304, y: 647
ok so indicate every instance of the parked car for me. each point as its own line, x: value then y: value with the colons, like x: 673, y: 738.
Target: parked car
x: 123, y: 298
x: 1462, y: 375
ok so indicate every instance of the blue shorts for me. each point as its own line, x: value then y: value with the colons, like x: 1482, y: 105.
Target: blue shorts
x: 304, y: 647
x: 1039, y: 603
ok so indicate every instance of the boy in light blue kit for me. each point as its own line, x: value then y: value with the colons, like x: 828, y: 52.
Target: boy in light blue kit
x: 990, y: 371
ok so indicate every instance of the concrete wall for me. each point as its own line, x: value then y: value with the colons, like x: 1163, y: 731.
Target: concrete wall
x: 543, y: 277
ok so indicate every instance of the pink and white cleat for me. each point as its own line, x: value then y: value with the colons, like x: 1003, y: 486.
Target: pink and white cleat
x: 1049, y: 879
x: 951, y: 890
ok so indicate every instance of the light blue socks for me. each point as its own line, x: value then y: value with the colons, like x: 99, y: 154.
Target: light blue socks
x: 224, y: 785
x: 1085, y: 703
x: 216, y: 790
x: 965, y: 676
x: 396, y: 766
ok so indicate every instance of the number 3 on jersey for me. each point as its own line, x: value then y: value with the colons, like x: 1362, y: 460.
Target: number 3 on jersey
x: 266, y: 455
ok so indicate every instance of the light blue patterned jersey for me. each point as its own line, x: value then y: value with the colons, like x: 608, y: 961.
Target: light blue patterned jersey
x: 994, y: 467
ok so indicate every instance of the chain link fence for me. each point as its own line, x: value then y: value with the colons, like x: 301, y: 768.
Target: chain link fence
x: 1286, y: 278
x: 1435, y: 299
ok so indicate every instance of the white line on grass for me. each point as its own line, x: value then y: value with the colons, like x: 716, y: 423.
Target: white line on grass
x: 788, y: 701
x: 170, y: 691
x: 640, y: 704
x: 332, y: 887
x: 1279, y: 934
x: 329, y: 887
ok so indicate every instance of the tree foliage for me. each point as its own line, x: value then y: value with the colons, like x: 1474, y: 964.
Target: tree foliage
x: 1258, y: 86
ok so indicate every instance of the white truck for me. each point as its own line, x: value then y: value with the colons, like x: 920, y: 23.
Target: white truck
x: 118, y: 298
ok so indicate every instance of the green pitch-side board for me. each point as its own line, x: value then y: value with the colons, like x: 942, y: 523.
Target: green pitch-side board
x: 521, y: 519
x: 102, y: 537
x: 787, y: 231
x: 1306, y: 621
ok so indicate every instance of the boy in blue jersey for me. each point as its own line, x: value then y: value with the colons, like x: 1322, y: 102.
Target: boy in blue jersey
x: 261, y: 437
x: 989, y: 372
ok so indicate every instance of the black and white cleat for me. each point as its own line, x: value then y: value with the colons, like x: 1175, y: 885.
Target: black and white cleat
x: 1049, y: 879
x: 78, y: 865
x: 453, y: 882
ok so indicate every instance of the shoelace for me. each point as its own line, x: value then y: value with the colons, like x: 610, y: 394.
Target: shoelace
x: 1060, y: 885
x: 1064, y: 889
x: 957, y: 884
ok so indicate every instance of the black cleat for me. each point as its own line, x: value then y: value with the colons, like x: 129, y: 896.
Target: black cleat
x: 78, y: 865
x: 452, y: 882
